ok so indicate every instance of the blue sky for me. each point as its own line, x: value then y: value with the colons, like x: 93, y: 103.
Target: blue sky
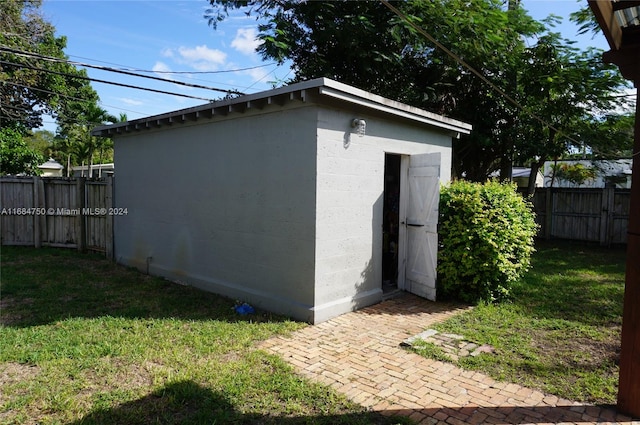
x: 172, y: 35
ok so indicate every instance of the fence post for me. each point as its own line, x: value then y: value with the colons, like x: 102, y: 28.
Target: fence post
x: 604, y: 202
x: 606, y: 220
x: 43, y: 205
x: 108, y: 228
x: 82, y: 228
x: 548, y: 218
x: 37, y: 239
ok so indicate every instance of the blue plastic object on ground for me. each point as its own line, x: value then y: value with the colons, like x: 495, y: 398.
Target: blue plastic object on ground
x: 244, y: 309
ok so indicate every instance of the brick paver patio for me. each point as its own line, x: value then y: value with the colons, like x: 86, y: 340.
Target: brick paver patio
x: 359, y: 355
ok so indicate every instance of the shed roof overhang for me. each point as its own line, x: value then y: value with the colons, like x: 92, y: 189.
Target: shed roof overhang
x: 620, y: 23
x: 317, y: 90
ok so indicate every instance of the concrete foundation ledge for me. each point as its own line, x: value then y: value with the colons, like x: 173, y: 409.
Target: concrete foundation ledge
x: 335, y: 308
x: 256, y: 297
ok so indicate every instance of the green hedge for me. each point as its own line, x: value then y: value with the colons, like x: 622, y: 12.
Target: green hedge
x: 486, y: 240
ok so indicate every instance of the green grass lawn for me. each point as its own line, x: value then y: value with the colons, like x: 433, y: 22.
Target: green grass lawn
x: 561, y: 332
x: 84, y: 341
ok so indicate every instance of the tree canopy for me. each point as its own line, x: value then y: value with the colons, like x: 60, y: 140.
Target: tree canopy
x: 37, y: 79
x: 16, y: 156
x: 31, y: 83
x: 553, y: 90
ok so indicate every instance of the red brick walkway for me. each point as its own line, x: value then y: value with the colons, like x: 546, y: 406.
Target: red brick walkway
x: 359, y: 355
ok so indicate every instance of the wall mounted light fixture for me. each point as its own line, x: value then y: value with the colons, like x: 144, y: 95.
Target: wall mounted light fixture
x: 359, y: 125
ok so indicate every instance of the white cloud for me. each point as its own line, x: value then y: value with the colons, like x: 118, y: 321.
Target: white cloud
x: 161, y: 67
x: 201, y: 58
x: 246, y: 41
x: 129, y: 101
x: 167, y: 53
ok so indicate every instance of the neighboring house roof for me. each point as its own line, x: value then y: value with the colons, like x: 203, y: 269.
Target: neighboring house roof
x: 604, y: 168
x: 522, y: 172
x: 51, y: 164
x: 318, y: 90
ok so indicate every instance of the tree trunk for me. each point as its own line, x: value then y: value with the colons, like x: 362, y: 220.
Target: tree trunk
x: 553, y: 172
x: 100, y: 162
x: 506, y: 168
x: 535, y: 167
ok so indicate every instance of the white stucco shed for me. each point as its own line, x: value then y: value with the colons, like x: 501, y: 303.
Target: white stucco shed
x: 310, y: 200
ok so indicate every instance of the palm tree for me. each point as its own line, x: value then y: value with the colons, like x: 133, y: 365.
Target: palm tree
x: 76, y: 135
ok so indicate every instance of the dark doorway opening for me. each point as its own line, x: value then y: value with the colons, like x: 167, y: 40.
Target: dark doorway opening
x: 391, y: 222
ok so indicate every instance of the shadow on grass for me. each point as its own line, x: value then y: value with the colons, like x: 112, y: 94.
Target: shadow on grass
x: 42, y: 286
x: 187, y: 402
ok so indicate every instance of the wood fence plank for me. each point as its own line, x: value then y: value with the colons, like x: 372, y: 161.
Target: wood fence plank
x: 42, y: 218
x: 108, y: 228
x: 594, y: 215
x: 81, y: 225
x: 37, y: 239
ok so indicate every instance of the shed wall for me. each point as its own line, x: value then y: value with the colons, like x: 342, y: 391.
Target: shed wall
x: 350, y: 187
x: 228, y: 206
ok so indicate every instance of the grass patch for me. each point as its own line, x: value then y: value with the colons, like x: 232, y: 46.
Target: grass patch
x: 561, y: 331
x: 84, y: 341
x: 430, y: 350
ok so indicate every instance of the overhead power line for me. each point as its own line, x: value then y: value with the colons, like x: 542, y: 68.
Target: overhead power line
x: 249, y: 68
x: 187, y: 74
x: 64, y: 74
x: 128, y: 68
x: 462, y: 62
x: 67, y: 96
x: 119, y: 71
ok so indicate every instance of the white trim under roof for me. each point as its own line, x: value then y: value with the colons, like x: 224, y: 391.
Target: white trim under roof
x: 294, y: 92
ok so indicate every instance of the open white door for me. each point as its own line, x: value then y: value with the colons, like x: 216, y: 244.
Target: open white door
x: 422, y: 225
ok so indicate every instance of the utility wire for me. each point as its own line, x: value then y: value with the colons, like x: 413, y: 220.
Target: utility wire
x: 186, y: 73
x: 66, y: 119
x: 119, y: 71
x: 249, y: 68
x: 462, y: 62
x: 476, y: 72
x: 68, y: 97
x: 128, y: 68
x: 35, y: 68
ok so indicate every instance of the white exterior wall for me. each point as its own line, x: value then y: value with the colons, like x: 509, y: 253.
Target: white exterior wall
x: 280, y: 207
x: 349, y: 199
x: 232, y: 209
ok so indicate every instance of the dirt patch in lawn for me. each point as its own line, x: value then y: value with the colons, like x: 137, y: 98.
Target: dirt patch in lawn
x: 582, y: 353
x: 11, y: 373
x: 114, y: 373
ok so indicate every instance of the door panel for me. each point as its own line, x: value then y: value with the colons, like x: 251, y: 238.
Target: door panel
x: 422, y: 225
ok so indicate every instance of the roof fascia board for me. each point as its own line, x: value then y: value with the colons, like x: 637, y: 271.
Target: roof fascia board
x: 281, y: 95
x: 398, y: 109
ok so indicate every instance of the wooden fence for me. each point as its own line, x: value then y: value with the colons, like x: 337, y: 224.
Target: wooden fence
x: 59, y: 212
x: 77, y: 213
x: 594, y: 215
